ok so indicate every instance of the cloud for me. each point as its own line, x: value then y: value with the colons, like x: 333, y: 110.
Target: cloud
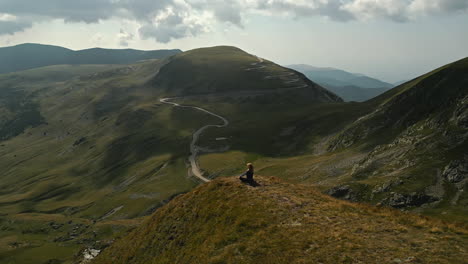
x: 303, y: 8
x: 173, y: 23
x: 11, y: 27
x: 97, y: 39
x: 165, y: 20
x: 396, y: 10
x: 124, y: 38
x: 439, y: 6
x: 10, y: 24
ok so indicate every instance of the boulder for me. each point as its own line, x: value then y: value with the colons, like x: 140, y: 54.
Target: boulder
x: 343, y: 192
x: 398, y: 200
x: 456, y: 171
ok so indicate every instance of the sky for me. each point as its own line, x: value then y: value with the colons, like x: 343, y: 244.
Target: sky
x: 392, y: 40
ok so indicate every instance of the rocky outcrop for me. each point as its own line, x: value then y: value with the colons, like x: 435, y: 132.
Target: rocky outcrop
x: 456, y: 171
x: 461, y: 114
x: 387, y: 186
x: 343, y: 192
x: 398, y: 200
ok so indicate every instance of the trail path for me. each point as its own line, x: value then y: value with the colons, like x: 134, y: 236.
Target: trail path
x: 194, y: 149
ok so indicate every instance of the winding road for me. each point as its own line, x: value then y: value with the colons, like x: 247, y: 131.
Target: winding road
x: 194, y: 149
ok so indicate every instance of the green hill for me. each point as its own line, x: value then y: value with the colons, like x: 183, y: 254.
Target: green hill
x: 29, y: 56
x: 405, y: 148
x: 93, y: 145
x: 226, y: 221
x: 230, y: 70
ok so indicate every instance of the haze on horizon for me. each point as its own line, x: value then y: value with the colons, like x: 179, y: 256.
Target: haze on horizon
x: 389, y: 39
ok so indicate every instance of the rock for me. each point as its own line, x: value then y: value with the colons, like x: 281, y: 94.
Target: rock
x: 79, y: 141
x: 456, y: 171
x: 342, y: 192
x: 398, y: 200
x: 386, y: 186
x: 55, y: 226
x: 461, y: 114
x: 89, y: 254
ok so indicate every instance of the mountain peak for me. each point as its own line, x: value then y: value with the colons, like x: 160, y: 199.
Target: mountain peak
x: 227, y: 69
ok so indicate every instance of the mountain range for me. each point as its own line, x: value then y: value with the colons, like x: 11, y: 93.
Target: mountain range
x: 349, y: 86
x: 28, y: 56
x: 91, y: 152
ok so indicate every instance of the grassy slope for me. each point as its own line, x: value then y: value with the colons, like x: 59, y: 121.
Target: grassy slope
x: 100, y: 141
x: 408, y: 134
x: 229, y: 222
x: 229, y: 69
x: 103, y: 142
x: 431, y: 94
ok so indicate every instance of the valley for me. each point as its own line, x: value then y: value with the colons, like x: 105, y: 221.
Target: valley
x: 90, y: 152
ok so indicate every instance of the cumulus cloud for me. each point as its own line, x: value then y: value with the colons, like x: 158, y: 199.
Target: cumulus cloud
x: 165, y: 20
x: 11, y: 27
x: 97, y: 39
x: 439, y: 6
x: 124, y: 38
x: 9, y: 24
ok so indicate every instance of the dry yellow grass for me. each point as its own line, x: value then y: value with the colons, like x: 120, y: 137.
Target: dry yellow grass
x: 226, y: 221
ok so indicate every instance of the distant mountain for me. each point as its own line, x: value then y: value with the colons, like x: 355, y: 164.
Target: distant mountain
x: 349, y: 86
x: 28, y: 56
x: 352, y: 93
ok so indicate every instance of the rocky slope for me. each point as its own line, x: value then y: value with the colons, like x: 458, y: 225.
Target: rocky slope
x: 226, y: 221
x: 417, y: 137
x: 405, y: 148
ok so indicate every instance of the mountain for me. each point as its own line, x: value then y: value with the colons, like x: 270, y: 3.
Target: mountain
x: 332, y: 76
x: 28, y: 56
x: 350, y: 86
x: 226, y: 221
x: 404, y: 148
x: 417, y: 137
x: 89, y: 151
x: 354, y: 93
x: 230, y: 70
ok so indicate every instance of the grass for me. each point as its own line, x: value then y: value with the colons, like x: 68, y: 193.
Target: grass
x: 101, y: 147
x: 226, y: 69
x: 39, y: 238
x: 130, y: 153
x: 228, y: 222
